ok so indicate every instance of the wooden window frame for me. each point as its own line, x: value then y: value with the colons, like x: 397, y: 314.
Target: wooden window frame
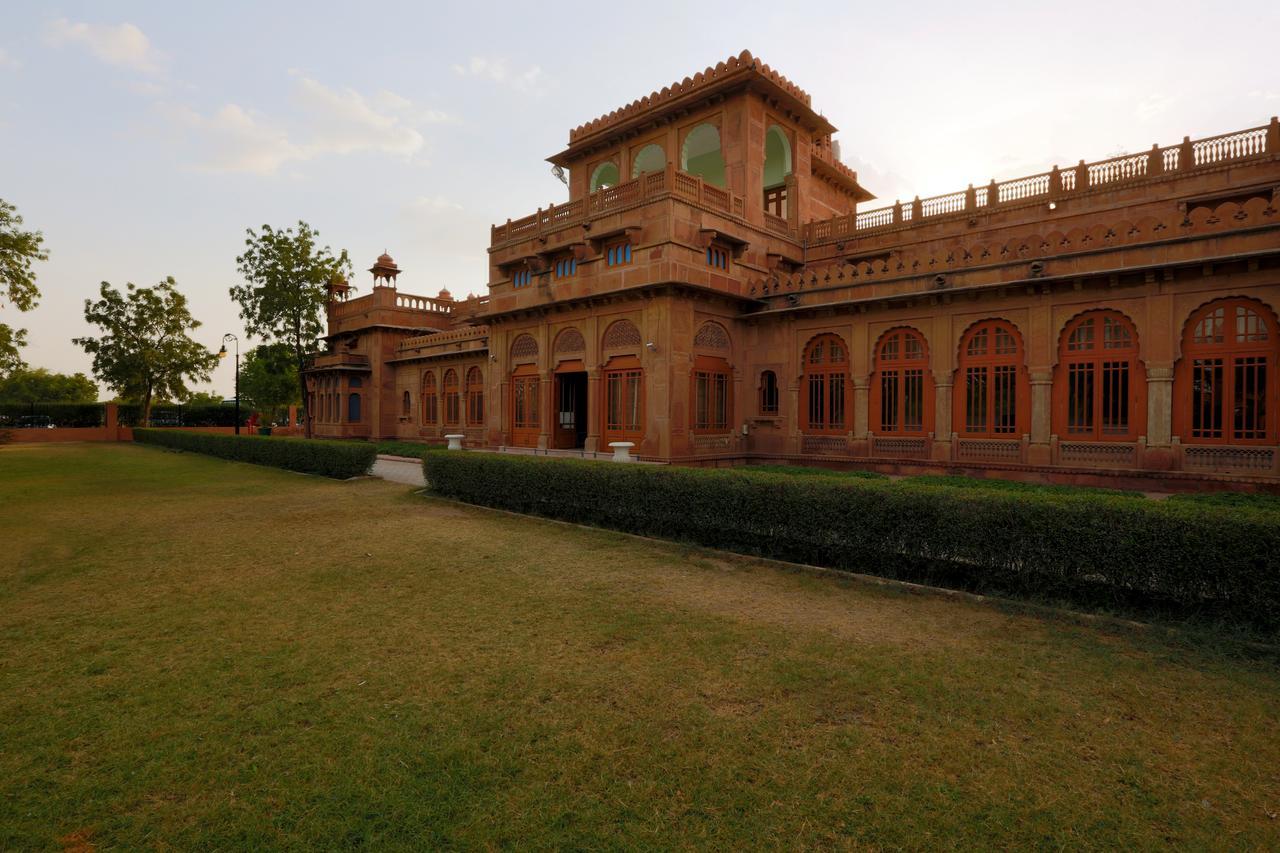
x: 452, y: 402
x: 1085, y: 379
x: 768, y: 397
x: 711, y: 395
x: 999, y: 370
x: 475, y: 396
x: 895, y: 372
x: 430, y: 400
x: 617, y: 253
x: 622, y: 370
x: 1229, y: 359
x: 825, y: 381
x: 526, y: 391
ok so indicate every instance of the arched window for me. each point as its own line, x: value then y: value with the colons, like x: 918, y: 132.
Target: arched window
x: 650, y: 158
x: 1226, y: 380
x: 700, y: 154
x: 604, y: 176
x: 353, y: 408
x: 406, y: 405
x: 1098, y: 390
x: 475, y: 397
x: 768, y: 393
x: 777, y: 165
x: 452, y: 409
x: 901, y: 384
x: 826, y: 366
x: 430, y: 402
x: 994, y: 391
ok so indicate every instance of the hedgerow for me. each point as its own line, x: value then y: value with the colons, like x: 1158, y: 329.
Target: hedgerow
x: 1094, y: 549
x: 338, y: 459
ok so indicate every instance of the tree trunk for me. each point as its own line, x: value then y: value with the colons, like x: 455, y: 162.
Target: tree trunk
x: 144, y: 419
x: 306, y: 409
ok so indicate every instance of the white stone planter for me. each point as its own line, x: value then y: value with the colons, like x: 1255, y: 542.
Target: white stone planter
x: 455, y: 441
x: 622, y: 450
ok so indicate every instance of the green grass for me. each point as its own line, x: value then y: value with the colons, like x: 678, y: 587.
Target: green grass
x: 202, y: 654
x: 413, y: 449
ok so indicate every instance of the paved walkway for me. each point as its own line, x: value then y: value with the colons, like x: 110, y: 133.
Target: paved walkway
x: 399, y: 469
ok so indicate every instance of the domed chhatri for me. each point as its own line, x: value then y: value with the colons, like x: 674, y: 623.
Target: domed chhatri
x: 384, y: 271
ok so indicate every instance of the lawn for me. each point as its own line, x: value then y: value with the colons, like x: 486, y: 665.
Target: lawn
x: 199, y: 653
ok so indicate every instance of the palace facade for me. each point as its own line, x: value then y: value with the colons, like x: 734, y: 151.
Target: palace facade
x: 715, y: 292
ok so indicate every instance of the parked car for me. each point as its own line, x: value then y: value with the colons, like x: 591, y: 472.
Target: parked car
x: 36, y: 422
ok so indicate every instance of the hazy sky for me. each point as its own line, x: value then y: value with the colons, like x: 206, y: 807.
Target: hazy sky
x: 143, y: 138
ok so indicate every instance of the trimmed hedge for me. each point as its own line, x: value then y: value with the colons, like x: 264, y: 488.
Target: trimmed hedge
x: 338, y: 459
x: 1094, y: 549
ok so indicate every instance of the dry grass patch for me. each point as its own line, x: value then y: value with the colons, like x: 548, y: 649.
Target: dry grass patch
x: 195, y: 653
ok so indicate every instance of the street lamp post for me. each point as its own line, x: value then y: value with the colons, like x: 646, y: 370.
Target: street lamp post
x: 222, y: 353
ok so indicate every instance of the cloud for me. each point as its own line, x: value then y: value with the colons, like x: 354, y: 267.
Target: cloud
x: 495, y: 69
x: 235, y: 140
x: 122, y: 45
x: 323, y: 121
x: 1153, y: 105
x: 7, y: 60
x: 426, y: 205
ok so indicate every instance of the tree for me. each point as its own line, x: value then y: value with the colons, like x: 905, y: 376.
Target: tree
x: 11, y: 342
x: 283, y: 295
x: 269, y: 378
x: 18, y: 249
x: 204, y: 398
x: 145, y: 350
x: 44, y: 386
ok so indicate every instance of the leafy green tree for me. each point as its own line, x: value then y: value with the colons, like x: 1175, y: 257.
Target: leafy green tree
x: 204, y: 398
x: 145, y: 350
x: 44, y: 386
x: 11, y: 342
x: 18, y: 250
x: 269, y: 378
x: 283, y: 295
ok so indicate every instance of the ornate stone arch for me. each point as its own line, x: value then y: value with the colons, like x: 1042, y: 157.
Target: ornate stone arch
x: 569, y: 342
x: 524, y: 348
x: 712, y: 336
x: 621, y: 335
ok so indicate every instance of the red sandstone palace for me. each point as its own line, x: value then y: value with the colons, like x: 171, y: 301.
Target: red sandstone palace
x: 713, y: 292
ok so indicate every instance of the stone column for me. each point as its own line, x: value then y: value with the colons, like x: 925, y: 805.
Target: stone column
x: 794, y: 417
x: 1159, y: 406
x: 1040, y: 452
x: 595, y: 412
x: 546, y: 403
x: 1041, y: 402
x: 942, y: 389
x: 861, y: 411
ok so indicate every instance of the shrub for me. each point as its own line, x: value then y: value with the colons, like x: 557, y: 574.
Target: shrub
x: 804, y: 470
x: 995, y: 484
x: 339, y: 459
x: 395, y: 447
x: 1095, y: 549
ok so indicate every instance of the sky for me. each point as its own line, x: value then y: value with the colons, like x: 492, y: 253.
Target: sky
x: 143, y: 139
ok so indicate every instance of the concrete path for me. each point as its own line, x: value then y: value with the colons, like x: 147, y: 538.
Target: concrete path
x: 399, y: 469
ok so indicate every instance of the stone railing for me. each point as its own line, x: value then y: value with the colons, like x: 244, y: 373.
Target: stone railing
x: 465, y: 333
x: 338, y: 359
x: 1187, y: 156
x: 389, y: 297
x: 651, y: 186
